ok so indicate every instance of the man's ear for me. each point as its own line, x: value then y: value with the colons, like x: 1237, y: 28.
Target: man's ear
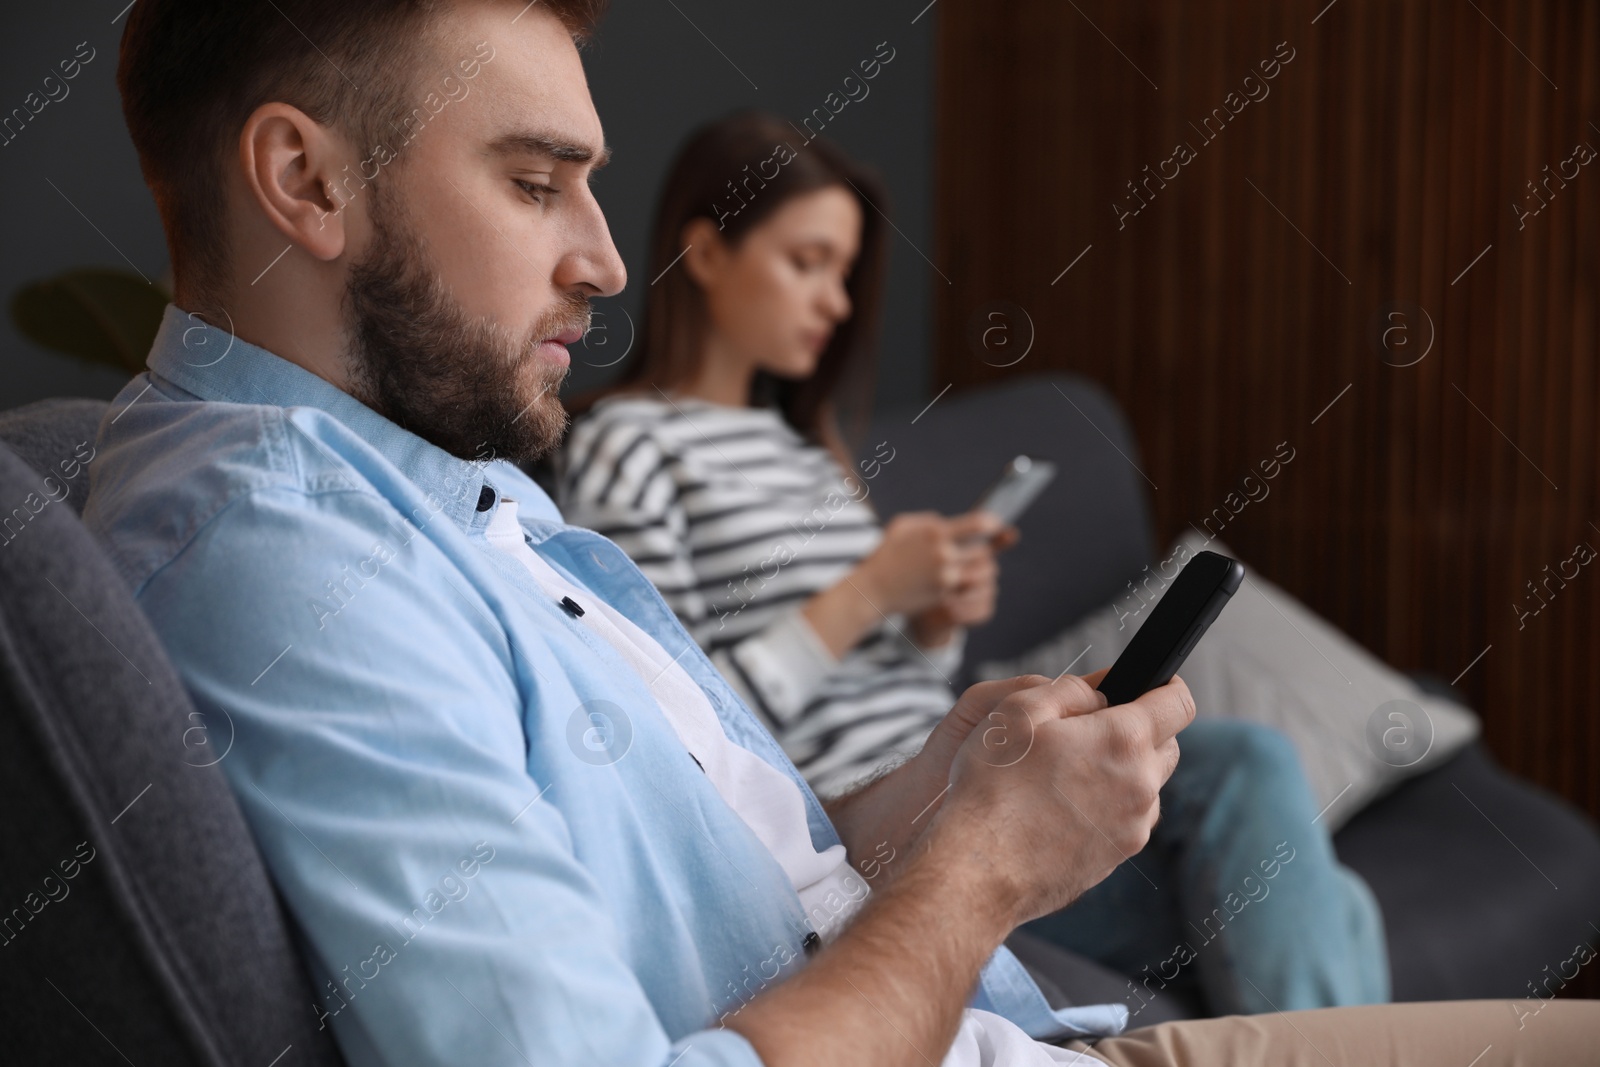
x: 291, y: 166
x: 706, y: 251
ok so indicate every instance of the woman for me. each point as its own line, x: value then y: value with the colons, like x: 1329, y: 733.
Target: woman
x: 717, y: 463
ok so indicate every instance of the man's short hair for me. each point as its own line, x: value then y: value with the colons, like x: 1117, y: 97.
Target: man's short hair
x: 192, y: 71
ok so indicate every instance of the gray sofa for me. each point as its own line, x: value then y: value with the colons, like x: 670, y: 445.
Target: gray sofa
x: 167, y: 944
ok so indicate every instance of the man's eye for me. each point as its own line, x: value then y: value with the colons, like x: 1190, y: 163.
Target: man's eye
x: 535, y: 189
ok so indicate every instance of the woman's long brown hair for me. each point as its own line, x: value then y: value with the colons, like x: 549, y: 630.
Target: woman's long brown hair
x: 718, y: 175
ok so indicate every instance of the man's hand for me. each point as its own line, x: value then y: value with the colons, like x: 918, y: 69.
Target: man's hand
x: 979, y: 704
x: 893, y: 810
x: 1050, y: 790
x: 896, y: 808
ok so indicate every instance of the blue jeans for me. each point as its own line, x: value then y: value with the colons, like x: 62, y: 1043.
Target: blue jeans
x: 1238, y: 894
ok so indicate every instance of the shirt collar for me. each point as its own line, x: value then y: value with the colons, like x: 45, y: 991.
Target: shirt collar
x: 214, y: 364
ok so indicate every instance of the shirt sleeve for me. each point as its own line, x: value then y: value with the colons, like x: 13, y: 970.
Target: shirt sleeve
x: 376, y: 747
x: 622, y: 485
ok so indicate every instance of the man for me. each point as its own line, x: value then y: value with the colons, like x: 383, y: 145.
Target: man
x: 516, y: 815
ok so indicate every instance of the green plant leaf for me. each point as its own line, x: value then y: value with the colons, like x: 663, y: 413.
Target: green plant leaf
x: 104, y: 316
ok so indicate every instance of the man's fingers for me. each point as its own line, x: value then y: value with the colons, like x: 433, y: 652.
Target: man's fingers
x: 1087, y: 685
x: 1170, y: 754
x: 1171, y: 708
x: 979, y: 699
x: 1068, y: 695
x: 1004, y: 687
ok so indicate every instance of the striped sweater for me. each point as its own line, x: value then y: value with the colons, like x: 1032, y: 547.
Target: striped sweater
x: 738, y: 521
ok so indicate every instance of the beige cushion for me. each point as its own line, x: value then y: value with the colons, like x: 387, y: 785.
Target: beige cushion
x: 1360, y: 726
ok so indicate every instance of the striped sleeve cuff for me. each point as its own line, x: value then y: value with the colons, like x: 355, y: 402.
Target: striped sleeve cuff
x: 785, y: 664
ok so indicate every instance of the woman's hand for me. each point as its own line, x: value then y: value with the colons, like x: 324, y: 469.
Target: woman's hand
x: 925, y: 559
x: 971, y: 600
x: 939, y: 571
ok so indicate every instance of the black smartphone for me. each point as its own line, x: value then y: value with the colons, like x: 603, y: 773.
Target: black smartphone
x: 1194, y: 601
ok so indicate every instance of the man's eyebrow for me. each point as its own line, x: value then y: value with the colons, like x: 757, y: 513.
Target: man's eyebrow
x: 553, y: 147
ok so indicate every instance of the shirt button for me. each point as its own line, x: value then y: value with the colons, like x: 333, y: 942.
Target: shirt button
x: 486, y: 499
x: 811, y: 943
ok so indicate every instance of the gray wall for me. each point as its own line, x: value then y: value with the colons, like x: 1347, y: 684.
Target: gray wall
x: 79, y: 145
x: 655, y: 75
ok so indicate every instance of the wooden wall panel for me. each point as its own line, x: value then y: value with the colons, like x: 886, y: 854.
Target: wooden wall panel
x: 1236, y: 306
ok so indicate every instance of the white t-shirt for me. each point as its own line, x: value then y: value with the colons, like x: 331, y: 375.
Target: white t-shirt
x: 767, y: 799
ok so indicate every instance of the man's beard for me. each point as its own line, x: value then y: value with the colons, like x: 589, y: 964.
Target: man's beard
x: 462, y: 383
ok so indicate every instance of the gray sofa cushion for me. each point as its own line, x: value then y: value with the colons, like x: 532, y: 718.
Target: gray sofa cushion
x: 1359, y: 726
x: 138, y: 919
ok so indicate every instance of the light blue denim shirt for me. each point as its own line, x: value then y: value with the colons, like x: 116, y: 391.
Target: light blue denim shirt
x: 493, y: 844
